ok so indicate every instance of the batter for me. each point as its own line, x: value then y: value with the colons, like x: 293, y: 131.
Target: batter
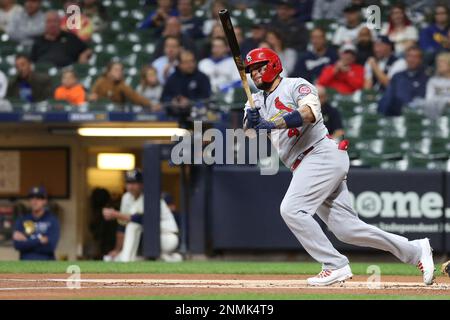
x: 290, y: 109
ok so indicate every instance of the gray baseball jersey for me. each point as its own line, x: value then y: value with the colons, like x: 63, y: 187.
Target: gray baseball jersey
x: 290, y: 143
x: 318, y: 184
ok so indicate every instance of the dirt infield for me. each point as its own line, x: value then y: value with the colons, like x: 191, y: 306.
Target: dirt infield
x: 54, y: 286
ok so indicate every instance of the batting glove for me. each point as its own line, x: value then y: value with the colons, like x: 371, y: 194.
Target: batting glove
x: 253, y: 117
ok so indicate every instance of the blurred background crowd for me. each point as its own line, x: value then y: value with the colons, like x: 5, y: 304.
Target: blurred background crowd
x: 384, y: 81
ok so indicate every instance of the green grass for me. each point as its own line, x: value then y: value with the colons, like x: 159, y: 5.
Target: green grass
x: 201, y: 267
x: 268, y: 296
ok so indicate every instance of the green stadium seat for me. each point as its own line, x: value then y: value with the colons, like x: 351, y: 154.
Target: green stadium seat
x: 420, y: 161
x: 388, y: 148
x: 369, y: 131
x: 371, y: 160
x: 43, y: 67
x: 8, y: 48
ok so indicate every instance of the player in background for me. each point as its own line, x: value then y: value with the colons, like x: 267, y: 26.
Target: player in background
x: 289, y: 108
x: 36, y: 234
x: 130, y: 221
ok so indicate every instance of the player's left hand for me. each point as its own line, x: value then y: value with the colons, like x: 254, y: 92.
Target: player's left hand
x: 264, y: 124
x: 253, y: 117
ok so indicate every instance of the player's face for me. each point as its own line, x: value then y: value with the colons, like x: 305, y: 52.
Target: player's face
x: 256, y: 72
x: 37, y: 204
x: 135, y: 188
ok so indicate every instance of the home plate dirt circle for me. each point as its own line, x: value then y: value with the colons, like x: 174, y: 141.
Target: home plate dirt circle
x: 104, y: 285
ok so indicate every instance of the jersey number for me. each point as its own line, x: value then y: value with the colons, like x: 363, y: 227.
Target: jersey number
x: 294, y: 132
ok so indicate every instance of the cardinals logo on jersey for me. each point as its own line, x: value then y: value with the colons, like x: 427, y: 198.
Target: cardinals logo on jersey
x: 294, y: 132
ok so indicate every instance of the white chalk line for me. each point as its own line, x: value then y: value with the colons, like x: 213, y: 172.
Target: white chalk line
x: 218, y: 284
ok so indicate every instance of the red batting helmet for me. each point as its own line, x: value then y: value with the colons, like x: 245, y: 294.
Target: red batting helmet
x: 269, y: 56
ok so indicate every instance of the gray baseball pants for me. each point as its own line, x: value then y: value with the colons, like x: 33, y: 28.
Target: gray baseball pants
x: 318, y: 186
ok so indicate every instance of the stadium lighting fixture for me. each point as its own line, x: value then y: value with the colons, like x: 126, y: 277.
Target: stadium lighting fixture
x: 115, y: 161
x: 132, y: 132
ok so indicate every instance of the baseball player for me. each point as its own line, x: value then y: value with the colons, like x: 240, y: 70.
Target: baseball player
x: 130, y: 218
x: 289, y: 109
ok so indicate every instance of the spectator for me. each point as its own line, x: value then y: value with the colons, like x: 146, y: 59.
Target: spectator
x: 111, y: 86
x: 8, y: 8
x: 288, y: 56
x: 84, y: 32
x: 59, y: 47
x: 349, y: 31
x: 157, y: 19
x: 405, y: 86
x: 36, y: 234
x: 304, y: 11
x: 382, y: 66
x: 217, y: 32
x: 187, y: 85
x: 165, y: 65
x: 70, y: 89
x: 190, y: 24
x: 433, y: 38
x: 311, y: 63
x: 28, y: 85
x: 438, y: 87
x: 258, y: 34
x: 150, y: 87
x: 3, y: 85
x: 26, y: 24
x: 286, y: 23
x: 220, y: 67
x: 331, y: 116
x: 130, y: 223
x: 5, y: 105
x: 96, y: 12
x: 329, y: 9
x: 173, y: 29
x: 345, y: 76
x: 400, y: 29
x: 364, y: 45
x: 213, y: 17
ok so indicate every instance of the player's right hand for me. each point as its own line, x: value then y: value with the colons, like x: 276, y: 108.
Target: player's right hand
x: 253, y: 117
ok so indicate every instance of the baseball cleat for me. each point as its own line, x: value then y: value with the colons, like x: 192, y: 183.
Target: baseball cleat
x: 328, y: 277
x: 426, y: 264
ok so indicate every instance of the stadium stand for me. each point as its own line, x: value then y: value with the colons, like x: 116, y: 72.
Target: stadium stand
x: 402, y: 142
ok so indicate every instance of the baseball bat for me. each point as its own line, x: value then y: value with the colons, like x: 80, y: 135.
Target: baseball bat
x: 224, y: 16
